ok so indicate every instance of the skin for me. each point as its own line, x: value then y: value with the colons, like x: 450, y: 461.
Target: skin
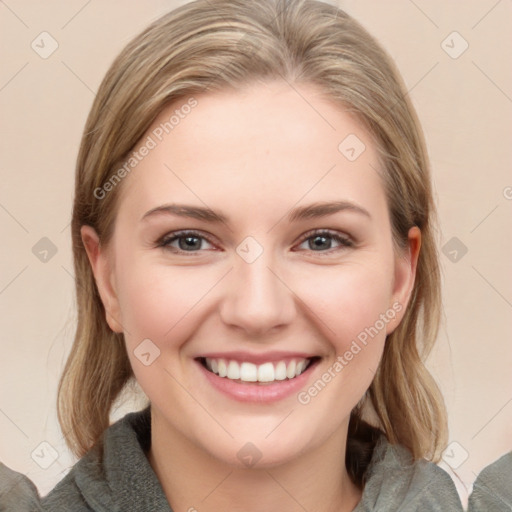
x: 253, y: 154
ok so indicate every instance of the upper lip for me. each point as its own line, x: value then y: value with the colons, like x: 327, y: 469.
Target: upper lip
x: 256, y: 358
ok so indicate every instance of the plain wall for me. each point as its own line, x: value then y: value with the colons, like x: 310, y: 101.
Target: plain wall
x: 464, y: 104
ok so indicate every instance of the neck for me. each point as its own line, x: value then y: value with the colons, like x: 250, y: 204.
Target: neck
x: 193, y: 480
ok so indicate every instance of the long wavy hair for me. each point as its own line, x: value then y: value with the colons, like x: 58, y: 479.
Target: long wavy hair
x: 209, y: 45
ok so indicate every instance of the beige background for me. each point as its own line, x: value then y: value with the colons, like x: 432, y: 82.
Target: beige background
x: 465, y: 105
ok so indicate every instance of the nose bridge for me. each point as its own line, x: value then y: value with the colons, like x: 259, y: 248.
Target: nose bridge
x: 256, y: 300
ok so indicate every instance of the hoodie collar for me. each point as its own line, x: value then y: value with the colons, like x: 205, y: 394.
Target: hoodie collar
x: 120, y: 478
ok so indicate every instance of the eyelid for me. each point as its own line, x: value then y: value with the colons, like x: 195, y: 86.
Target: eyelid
x: 345, y: 240
x: 164, y: 241
x: 325, y: 231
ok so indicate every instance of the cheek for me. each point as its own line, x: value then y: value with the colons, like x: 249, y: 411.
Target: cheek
x: 159, y: 302
x: 347, y: 299
x: 352, y: 307
x: 164, y: 303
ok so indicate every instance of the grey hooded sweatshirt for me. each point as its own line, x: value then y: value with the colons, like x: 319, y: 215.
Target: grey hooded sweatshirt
x: 120, y: 479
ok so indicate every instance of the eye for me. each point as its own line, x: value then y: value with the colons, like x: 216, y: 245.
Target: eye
x: 322, y: 241
x: 194, y: 242
x: 184, y: 241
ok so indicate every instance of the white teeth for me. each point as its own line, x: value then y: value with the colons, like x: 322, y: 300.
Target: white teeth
x: 233, y: 370
x: 280, y: 373
x: 290, y: 371
x: 266, y: 372
x: 222, y: 367
x: 249, y: 372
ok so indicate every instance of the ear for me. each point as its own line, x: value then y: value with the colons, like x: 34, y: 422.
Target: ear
x: 103, y: 275
x: 405, y: 275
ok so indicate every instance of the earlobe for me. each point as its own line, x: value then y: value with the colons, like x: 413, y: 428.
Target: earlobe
x: 103, y: 275
x: 405, y: 276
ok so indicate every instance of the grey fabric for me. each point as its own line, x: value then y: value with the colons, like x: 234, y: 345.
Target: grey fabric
x: 397, y: 483
x: 125, y: 482
x: 492, y: 490
x: 17, y: 492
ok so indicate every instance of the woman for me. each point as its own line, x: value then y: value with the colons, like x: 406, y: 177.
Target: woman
x: 254, y: 244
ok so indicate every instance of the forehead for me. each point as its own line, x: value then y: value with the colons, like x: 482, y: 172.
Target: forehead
x: 266, y: 143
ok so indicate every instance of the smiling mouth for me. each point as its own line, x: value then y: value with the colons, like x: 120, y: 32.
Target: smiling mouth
x: 245, y: 372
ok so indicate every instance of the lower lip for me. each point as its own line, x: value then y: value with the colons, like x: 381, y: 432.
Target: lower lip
x: 253, y: 392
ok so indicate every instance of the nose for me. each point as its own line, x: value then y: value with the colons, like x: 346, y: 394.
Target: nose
x: 257, y: 299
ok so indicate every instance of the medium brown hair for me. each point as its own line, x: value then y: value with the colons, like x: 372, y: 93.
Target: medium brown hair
x: 210, y: 45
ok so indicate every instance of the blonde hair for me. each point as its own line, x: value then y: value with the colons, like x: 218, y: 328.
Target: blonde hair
x: 210, y: 45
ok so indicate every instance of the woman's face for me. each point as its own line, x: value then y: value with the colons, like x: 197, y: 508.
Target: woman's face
x: 254, y: 239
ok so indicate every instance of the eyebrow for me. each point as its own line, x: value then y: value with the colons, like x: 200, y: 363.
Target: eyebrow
x: 315, y: 210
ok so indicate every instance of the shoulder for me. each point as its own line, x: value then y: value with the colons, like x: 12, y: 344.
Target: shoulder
x: 395, y: 481
x: 492, y: 490
x: 114, y: 475
x: 17, y: 492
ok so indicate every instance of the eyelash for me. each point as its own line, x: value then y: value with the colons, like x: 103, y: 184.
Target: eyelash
x: 166, y: 240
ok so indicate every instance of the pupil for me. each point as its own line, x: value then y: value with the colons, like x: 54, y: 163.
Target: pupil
x: 190, y: 242
x: 321, y: 242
